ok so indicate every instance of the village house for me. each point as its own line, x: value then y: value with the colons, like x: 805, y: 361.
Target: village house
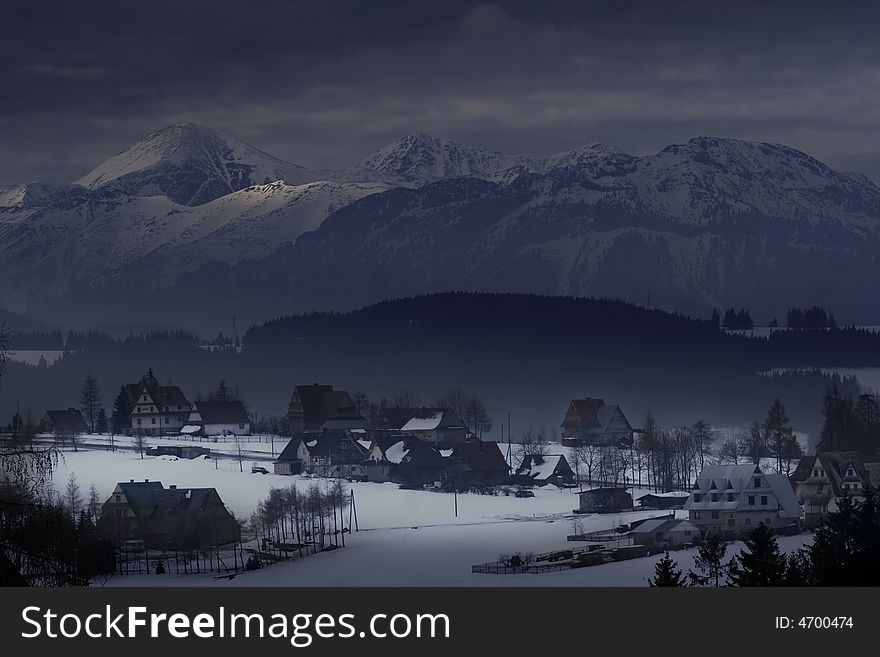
x: 415, y: 463
x: 608, y: 499
x: 670, y: 500
x: 822, y: 479
x: 436, y: 425
x: 158, y: 410
x: 217, y: 418
x: 591, y: 422
x: 63, y: 423
x: 665, y: 533
x: 168, y: 518
x: 180, y: 451
x: 476, y: 464
x: 325, y: 454
x: 385, y: 452
x: 319, y: 407
x: 539, y: 470
x: 731, y: 500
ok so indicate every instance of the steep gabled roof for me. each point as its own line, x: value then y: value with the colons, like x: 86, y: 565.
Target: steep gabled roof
x: 222, y: 412
x: 586, y: 411
x: 289, y: 453
x: 480, y: 456
x: 68, y: 421
x: 141, y: 494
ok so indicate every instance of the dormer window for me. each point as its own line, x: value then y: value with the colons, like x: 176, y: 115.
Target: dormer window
x: 757, y: 482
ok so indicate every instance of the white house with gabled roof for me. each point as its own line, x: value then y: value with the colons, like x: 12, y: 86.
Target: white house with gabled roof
x: 731, y: 500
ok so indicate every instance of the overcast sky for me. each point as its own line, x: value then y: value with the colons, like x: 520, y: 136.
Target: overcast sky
x: 326, y: 82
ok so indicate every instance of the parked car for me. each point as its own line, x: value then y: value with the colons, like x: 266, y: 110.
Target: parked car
x: 258, y: 469
x: 524, y: 493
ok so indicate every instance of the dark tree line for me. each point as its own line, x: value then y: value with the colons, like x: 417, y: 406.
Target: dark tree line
x: 809, y: 318
x: 849, y: 423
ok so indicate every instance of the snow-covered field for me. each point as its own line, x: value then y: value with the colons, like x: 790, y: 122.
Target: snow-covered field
x: 406, y: 538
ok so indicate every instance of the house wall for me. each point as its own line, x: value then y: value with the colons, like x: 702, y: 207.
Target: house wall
x: 243, y: 429
x: 732, y: 524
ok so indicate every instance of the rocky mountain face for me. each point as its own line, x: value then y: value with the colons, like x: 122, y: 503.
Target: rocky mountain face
x: 206, y: 227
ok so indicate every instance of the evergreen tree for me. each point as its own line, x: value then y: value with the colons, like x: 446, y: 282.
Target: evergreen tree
x: 94, y: 503
x: 90, y: 400
x: 715, y: 320
x: 839, y: 421
x: 101, y: 422
x: 760, y: 563
x: 666, y: 573
x: 72, y: 497
x: 222, y: 393
x: 120, y: 420
x: 709, y: 561
x: 846, y: 544
x: 779, y: 434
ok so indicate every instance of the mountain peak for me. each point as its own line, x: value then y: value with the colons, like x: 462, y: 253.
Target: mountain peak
x: 191, y: 165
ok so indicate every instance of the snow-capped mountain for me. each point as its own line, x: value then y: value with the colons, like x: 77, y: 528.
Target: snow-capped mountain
x: 422, y: 159
x: 191, y: 165
x: 69, y: 240
x: 701, y: 225
x: 187, y: 214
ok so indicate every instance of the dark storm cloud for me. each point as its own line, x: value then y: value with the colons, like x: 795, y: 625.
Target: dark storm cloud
x: 326, y: 82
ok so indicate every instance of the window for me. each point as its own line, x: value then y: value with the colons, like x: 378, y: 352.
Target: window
x: 714, y: 515
x: 240, y: 425
x: 751, y: 500
x: 152, y: 420
x: 757, y: 482
x: 139, y: 409
x: 731, y: 522
x: 820, y: 488
x: 119, y: 498
x: 118, y: 513
x: 763, y: 500
x: 731, y: 497
x: 139, y: 422
x: 697, y: 497
x: 697, y: 515
x: 714, y: 497
x: 167, y: 420
x: 815, y: 472
x: 846, y: 487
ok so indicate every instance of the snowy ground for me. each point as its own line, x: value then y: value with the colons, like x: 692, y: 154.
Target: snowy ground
x: 406, y: 538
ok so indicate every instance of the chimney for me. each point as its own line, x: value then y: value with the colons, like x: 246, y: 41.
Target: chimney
x: 173, y: 486
x: 146, y: 481
x: 131, y: 481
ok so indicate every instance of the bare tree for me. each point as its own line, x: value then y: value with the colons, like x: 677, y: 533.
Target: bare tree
x: 240, y: 450
x: 702, y: 434
x: 752, y: 443
x: 140, y: 443
x: 532, y: 444
x: 406, y: 399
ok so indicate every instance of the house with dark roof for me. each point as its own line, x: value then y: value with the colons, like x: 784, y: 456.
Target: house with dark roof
x: 539, y: 470
x: 822, y: 479
x: 319, y: 407
x: 415, y: 463
x: 604, y: 499
x: 167, y: 518
x: 476, y: 464
x: 325, y: 453
x: 159, y: 410
x: 291, y: 459
x: 731, y: 500
x: 666, y: 533
x: 218, y: 418
x: 591, y: 421
x: 64, y: 423
x: 385, y: 452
